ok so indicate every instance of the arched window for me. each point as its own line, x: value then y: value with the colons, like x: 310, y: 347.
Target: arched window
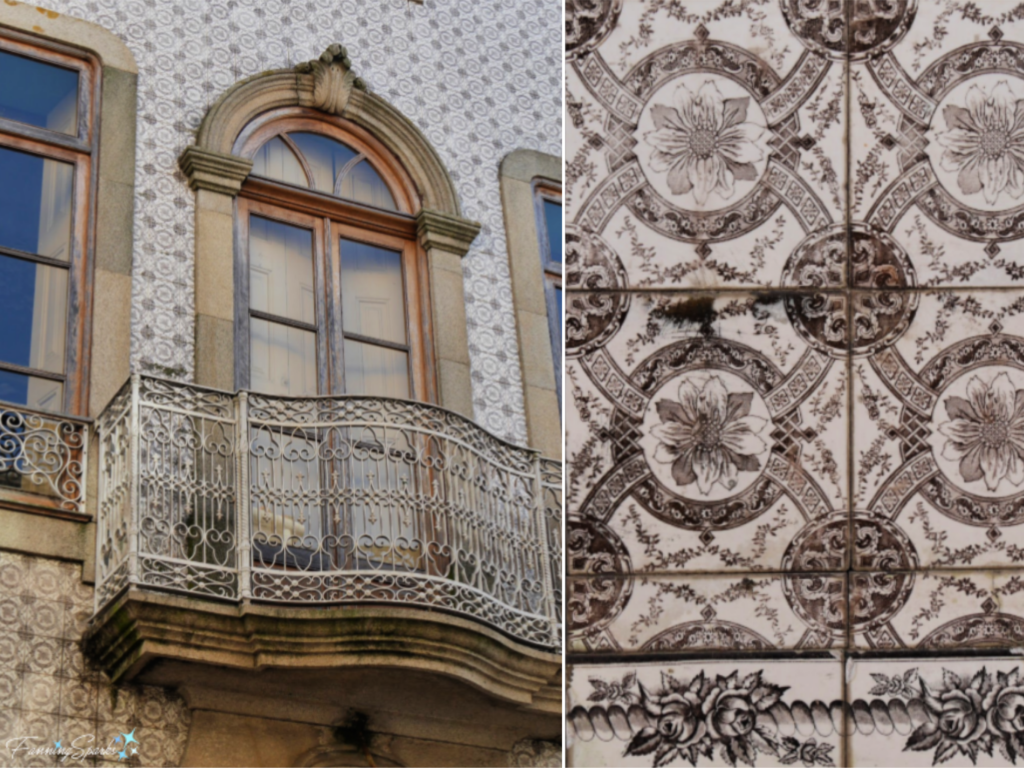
x: 326, y: 238
x: 47, y: 144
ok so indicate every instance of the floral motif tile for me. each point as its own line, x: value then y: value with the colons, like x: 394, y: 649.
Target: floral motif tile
x: 722, y: 712
x: 710, y: 131
x: 932, y: 711
x: 706, y: 613
x: 705, y: 433
x: 936, y: 149
x: 936, y: 610
x: 938, y: 442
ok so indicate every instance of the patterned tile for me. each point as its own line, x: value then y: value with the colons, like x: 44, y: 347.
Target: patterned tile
x: 958, y: 710
x: 764, y: 488
x: 474, y: 90
x: 934, y: 415
x: 642, y: 614
x: 712, y: 712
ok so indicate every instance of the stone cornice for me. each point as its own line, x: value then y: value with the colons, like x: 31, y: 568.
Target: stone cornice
x: 141, y: 627
x: 445, y: 232
x: 214, y: 171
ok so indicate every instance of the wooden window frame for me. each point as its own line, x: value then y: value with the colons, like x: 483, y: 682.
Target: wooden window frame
x: 81, y: 150
x: 333, y: 218
x: 544, y: 191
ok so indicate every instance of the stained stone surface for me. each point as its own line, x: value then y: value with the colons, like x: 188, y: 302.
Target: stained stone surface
x: 479, y: 82
x: 795, y: 341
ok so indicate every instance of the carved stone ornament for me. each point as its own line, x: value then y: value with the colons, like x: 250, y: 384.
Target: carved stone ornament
x: 333, y: 79
x: 534, y: 753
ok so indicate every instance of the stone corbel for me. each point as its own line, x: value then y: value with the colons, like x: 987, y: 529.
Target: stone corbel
x: 214, y: 171
x: 443, y: 231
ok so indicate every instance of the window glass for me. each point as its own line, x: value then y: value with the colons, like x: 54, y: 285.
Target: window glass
x: 275, y: 160
x: 38, y: 94
x: 31, y: 391
x: 281, y: 270
x: 282, y: 359
x: 33, y: 314
x: 364, y: 185
x: 325, y: 158
x: 35, y: 200
x: 372, y: 299
x: 553, y: 225
x: 373, y: 370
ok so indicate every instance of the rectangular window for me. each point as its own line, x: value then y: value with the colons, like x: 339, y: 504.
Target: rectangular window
x: 46, y: 155
x: 549, y: 225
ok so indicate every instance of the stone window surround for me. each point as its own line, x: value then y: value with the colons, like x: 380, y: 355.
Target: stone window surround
x: 217, y: 173
x: 105, y: 363
x: 522, y: 172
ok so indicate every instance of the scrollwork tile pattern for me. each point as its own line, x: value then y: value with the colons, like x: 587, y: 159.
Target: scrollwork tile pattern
x: 795, y: 382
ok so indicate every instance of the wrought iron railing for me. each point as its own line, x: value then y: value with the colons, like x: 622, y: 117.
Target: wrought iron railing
x: 325, y: 500
x: 42, y: 459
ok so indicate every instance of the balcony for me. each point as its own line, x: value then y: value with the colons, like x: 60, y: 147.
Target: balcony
x: 254, y: 531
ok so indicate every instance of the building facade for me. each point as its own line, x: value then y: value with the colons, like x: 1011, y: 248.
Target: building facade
x: 280, y: 453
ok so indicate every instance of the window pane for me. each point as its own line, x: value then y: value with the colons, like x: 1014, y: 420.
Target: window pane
x: 325, y: 157
x: 372, y: 298
x: 558, y: 308
x: 35, y: 204
x: 275, y: 160
x: 364, y: 185
x: 281, y: 270
x: 33, y: 314
x: 31, y: 391
x: 553, y: 224
x: 372, y: 370
x: 38, y: 94
x: 282, y: 359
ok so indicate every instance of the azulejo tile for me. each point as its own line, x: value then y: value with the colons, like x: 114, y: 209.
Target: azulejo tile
x: 938, y: 450
x: 706, y: 433
x: 925, y: 712
x: 706, y: 613
x: 936, y: 131
x: 937, y: 611
x: 713, y: 134
x: 728, y: 712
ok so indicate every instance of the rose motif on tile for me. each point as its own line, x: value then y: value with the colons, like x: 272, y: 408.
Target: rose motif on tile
x: 705, y: 142
x: 977, y: 143
x: 707, y: 435
x: 981, y: 443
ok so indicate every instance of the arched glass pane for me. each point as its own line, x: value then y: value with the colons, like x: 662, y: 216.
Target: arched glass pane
x: 364, y: 185
x: 275, y: 160
x: 325, y: 158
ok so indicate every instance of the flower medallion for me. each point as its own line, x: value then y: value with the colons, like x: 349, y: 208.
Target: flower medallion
x: 979, y: 443
x: 706, y: 435
x: 704, y: 142
x: 977, y: 142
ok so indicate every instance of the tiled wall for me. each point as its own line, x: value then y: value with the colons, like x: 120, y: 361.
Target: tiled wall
x: 49, y: 693
x: 796, y: 382
x: 480, y: 80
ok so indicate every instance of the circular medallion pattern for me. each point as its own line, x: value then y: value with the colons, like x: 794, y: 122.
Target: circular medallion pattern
x: 978, y: 442
x: 588, y: 22
x: 877, y: 317
x: 706, y: 435
x: 849, y: 28
x: 976, y: 142
x: 592, y: 318
x: 703, y: 141
x: 595, y: 551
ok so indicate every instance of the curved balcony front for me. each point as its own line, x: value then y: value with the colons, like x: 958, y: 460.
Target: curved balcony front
x: 268, y: 502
